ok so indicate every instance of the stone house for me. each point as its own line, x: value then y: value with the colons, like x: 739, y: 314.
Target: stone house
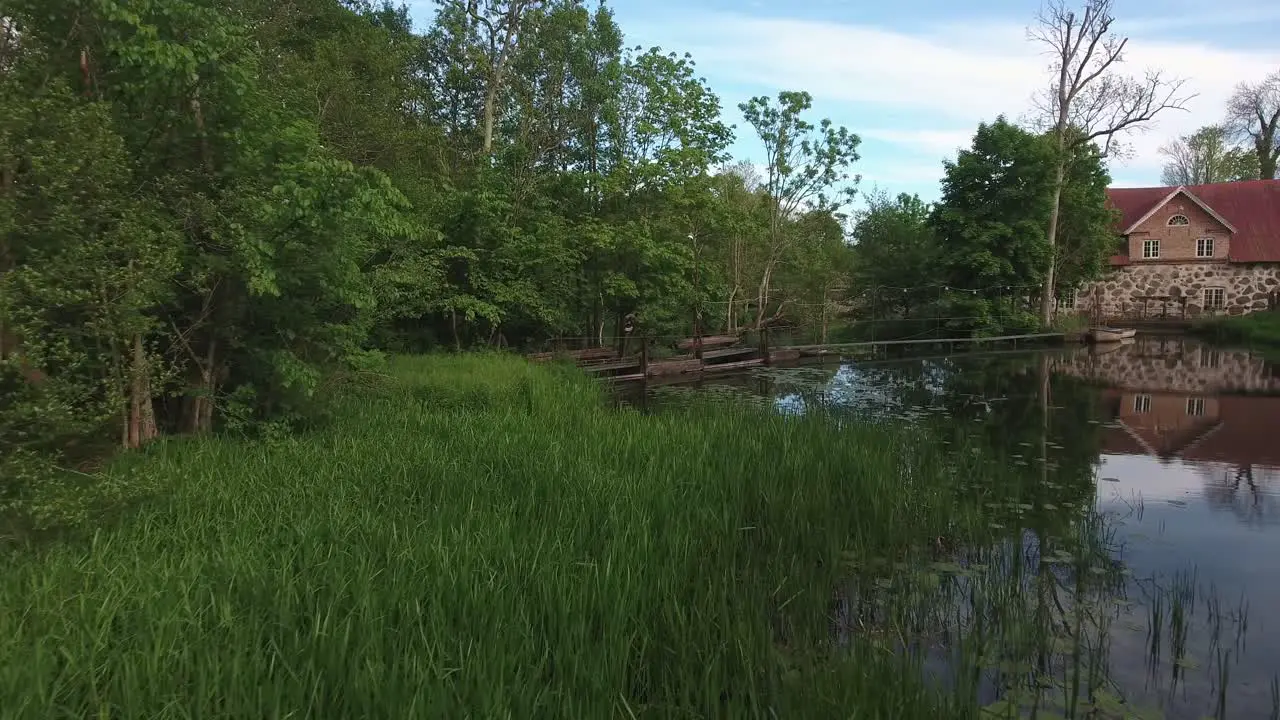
x: 1188, y: 251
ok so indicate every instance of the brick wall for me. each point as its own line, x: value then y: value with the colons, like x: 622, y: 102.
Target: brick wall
x: 1178, y: 242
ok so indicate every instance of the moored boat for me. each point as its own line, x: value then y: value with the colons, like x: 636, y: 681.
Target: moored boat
x: 1110, y: 335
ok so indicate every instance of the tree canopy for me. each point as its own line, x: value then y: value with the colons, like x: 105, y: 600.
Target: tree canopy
x: 209, y: 207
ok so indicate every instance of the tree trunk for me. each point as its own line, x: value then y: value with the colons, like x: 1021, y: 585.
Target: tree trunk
x: 729, y: 317
x: 490, y: 100
x: 198, y: 412
x: 762, y: 295
x: 140, y: 423
x: 1046, y: 292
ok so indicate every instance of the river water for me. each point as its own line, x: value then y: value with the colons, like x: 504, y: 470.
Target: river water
x: 1178, y: 447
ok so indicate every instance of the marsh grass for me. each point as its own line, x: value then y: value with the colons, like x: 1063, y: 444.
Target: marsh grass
x: 1257, y: 330
x: 477, y: 537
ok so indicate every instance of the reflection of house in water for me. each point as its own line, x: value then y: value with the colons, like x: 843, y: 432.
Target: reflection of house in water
x: 1203, y: 407
x: 1172, y: 365
x: 1234, y: 429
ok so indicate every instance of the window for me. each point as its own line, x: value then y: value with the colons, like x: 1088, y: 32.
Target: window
x: 1210, y: 358
x: 1150, y: 249
x: 1067, y: 299
x: 1141, y: 403
x: 1215, y: 298
x: 1204, y: 247
x: 1179, y: 220
x: 1195, y: 406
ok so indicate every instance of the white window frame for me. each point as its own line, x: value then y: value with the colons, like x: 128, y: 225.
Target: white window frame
x: 1067, y: 299
x: 1204, y: 247
x: 1212, y: 292
x: 1151, y: 249
x: 1142, y: 403
x: 1178, y: 217
x: 1195, y: 406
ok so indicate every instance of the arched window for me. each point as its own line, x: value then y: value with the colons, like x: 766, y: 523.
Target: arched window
x: 1179, y: 220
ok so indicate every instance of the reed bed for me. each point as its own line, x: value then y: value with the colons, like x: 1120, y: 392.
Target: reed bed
x: 473, y: 536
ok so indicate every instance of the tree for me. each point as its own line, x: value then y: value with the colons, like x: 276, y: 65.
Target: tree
x: 1086, y: 231
x: 1253, y: 116
x: 1087, y: 101
x: 1204, y: 157
x: 803, y: 165
x: 990, y: 221
x: 894, y: 248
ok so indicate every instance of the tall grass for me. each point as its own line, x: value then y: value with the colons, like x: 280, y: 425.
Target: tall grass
x: 1257, y: 330
x: 477, y: 537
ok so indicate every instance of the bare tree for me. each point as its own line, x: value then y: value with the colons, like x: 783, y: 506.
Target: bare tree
x: 1206, y: 156
x: 1253, y: 116
x: 1087, y: 101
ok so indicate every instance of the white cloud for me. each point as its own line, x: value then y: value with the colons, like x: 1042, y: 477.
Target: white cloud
x: 934, y: 86
x: 940, y: 143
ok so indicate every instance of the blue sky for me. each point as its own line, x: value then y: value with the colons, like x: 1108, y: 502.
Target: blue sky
x: 914, y: 78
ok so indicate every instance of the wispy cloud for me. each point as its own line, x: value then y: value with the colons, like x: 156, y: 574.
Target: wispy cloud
x: 934, y: 85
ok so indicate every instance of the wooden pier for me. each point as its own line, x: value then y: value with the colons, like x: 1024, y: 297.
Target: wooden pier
x: 726, y: 357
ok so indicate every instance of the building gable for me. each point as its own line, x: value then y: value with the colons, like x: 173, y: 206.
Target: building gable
x: 1247, y: 211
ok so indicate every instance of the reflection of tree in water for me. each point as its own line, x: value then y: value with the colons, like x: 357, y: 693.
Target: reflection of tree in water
x: 1250, y: 492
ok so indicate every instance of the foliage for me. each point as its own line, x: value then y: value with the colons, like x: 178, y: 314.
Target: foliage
x: 1253, y: 118
x: 208, y: 208
x: 806, y: 167
x: 895, y: 248
x: 1259, y: 330
x: 990, y: 223
x: 1206, y: 156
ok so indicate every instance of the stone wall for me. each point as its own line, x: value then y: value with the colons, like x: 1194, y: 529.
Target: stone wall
x: 1171, y: 365
x: 1247, y: 287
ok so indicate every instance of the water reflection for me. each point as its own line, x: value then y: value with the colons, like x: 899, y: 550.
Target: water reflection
x: 1148, y: 529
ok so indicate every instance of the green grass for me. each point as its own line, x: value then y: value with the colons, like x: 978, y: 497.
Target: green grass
x: 1257, y: 331
x: 472, y: 536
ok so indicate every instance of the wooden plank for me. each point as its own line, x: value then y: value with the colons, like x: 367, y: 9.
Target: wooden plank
x: 673, y: 367
x: 711, y: 341
x: 727, y: 352
x: 600, y: 353
x: 616, y: 365
x: 731, y: 366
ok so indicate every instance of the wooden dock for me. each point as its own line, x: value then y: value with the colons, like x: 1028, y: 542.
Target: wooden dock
x: 603, y: 363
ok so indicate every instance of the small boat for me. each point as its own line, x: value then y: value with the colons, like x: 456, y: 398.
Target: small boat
x: 1110, y: 335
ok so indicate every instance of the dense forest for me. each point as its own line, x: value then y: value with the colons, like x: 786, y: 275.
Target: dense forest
x: 216, y: 203
x: 210, y: 207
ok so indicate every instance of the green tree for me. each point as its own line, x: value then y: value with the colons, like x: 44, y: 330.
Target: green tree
x: 1253, y: 117
x: 895, y: 250
x: 805, y: 166
x: 1206, y: 156
x: 990, y: 221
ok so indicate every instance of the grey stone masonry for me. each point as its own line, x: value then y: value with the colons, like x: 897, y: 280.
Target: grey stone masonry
x: 1244, y: 287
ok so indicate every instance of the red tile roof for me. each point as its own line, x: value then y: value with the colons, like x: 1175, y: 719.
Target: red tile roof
x: 1252, y: 206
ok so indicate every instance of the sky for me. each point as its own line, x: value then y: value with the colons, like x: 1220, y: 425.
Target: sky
x: 914, y: 78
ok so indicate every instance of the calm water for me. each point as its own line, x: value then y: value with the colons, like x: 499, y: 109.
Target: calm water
x: 1163, y: 454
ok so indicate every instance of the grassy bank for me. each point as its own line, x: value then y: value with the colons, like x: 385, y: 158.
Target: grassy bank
x: 475, y: 537
x: 1256, y: 331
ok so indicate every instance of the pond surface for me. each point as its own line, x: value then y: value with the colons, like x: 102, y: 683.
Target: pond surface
x: 1158, y: 460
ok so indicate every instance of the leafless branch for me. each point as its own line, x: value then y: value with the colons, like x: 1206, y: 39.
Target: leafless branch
x: 1253, y: 115
x: 1086, y: 94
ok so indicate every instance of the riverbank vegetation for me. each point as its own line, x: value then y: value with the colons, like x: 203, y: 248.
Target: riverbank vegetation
x: 1256, y: 331
x: 476, y: 535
